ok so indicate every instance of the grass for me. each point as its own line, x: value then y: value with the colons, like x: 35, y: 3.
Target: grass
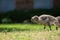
x: 30, y: 35
x: 23, y: 27
x: 27, y: 32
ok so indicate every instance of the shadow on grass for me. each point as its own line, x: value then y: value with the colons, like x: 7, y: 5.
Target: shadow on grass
x: 12, y: 29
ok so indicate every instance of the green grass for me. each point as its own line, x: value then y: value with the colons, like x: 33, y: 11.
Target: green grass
x: 23, y: 27
x: 28, y: 32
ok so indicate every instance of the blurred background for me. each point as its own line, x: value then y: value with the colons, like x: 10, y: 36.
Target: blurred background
x: 19, y: 11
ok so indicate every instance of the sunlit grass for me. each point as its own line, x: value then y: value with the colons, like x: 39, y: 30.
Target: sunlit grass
x: 28, y: 32
x: 25, y: 27
x: 30, y: 35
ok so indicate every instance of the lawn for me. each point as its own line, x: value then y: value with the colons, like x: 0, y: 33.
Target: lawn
x: 28, y: 32
x: 23, y: 27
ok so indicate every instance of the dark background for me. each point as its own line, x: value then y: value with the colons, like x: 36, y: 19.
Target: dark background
x: 19, y: 16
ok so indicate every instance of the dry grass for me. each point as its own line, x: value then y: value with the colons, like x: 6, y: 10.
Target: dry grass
x: 30, y: 35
